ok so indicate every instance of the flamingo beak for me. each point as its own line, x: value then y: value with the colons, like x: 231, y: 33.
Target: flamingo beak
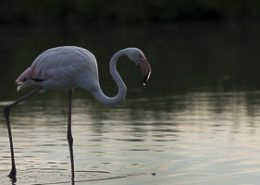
x: 146, y: 70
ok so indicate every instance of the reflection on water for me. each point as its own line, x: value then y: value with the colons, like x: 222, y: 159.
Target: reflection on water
x: 185, y: 138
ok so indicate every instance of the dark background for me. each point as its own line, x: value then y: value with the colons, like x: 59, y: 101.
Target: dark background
x: 92, y: 11
x: 192, y: 45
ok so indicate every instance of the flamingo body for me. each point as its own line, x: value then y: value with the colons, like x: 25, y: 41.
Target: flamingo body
x: 62, y: 68
x: 66, y: 68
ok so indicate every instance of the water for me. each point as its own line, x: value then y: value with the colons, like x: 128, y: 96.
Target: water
x: 191, y: 138
x: 188, y: 126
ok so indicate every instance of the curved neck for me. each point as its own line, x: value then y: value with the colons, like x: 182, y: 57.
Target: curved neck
x: 121, y: 94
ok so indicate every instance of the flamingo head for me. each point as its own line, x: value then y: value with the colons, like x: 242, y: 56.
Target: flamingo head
x: 137, y: 56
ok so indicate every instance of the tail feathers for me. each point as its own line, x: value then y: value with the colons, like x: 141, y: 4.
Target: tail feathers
x: 25, y: 75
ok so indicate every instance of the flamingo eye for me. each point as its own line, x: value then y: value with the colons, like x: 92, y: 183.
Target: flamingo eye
x: 141, y: 58
x: 24, y: 79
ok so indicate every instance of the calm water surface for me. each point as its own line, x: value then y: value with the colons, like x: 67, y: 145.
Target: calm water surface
x: 190, y: 138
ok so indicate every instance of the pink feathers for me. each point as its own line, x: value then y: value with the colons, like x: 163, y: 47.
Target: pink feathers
x: 28, y: 73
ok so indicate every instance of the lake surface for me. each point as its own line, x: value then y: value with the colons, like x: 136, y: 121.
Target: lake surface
x: 191, y: 138
x: 196, y: 123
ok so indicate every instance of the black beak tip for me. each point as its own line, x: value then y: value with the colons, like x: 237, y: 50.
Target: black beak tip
x: 146, y: 78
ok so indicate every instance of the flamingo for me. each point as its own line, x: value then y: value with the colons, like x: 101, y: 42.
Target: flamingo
x: 66, y: 68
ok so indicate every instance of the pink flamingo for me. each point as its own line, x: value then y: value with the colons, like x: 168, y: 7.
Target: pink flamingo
x: 66, y: 68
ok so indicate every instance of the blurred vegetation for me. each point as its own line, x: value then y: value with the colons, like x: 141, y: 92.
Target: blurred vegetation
x: 68, y: 11
x: 212, y: 48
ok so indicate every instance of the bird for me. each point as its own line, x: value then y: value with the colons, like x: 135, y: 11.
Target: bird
x: 67, y: 68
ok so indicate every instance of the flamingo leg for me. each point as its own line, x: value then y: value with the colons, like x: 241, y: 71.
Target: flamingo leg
x: 69, y: 136
x: 7, y: 109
